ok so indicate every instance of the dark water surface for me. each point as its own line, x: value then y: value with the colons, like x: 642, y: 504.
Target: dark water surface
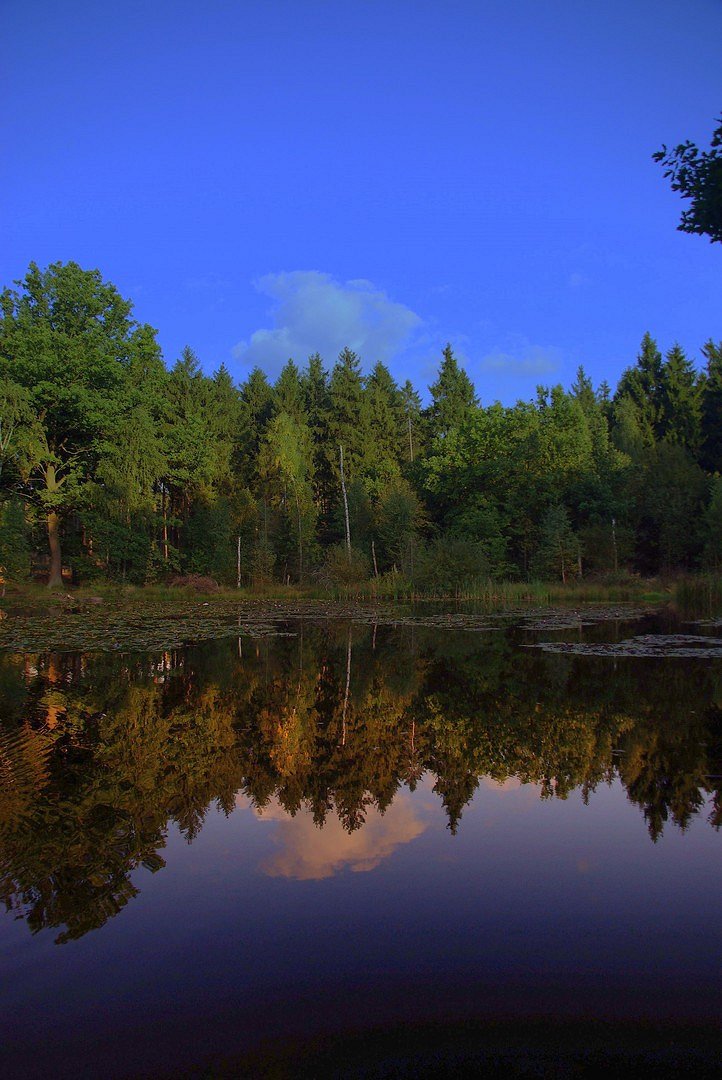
x: 347, y: 827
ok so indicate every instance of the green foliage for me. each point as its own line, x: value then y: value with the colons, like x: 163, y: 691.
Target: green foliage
x: 288, y: 393
x: 711, y: 408
x: 668, y: 493
x: 558, y: 554
x: 400, y: 517
x: 14, y: 541
x: 478, y: 520
x: 681, y: 420
x: 697, y: 176
x: 642, y: 392
x: 342, y: 569
x: 262, y: 565
x: 453, y: 399
x: 451, y: 567
x: 68, y: 338
x: 285, y: 465
x: 213, y: 531
x: 712, y: 527
x: 141, y: 472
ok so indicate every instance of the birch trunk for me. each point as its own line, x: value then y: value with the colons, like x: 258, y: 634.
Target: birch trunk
x: 345, y: 507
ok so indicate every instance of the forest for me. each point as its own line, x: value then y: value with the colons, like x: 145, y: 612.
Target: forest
x: 116, y: 467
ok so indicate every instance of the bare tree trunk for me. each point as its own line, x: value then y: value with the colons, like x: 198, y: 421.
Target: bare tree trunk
x: 300, y: 535
x: 348, y: 687
x: 55, y: 578
x: 373, y: 553
x: 165, y: 526
x: 345, y: 508
x: 411, y: 442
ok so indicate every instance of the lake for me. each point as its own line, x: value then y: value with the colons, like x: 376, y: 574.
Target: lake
x: 384, y: 839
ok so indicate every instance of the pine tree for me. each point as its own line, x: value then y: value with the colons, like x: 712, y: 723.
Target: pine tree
x: 558, y: 553
x: 681, y: 420
x: 642, y: 386
x: 453, y: 399
x: 583, y: 391
x: 288, y: 395
x: 314, y: 384
x: 348, y: 416
x: 189, y: 447
x: 385, y: 426
x: 413, y: 434
x: 317, y: 409
x: 711, y: 408
x: 713, y: 527
x: 257, y: 395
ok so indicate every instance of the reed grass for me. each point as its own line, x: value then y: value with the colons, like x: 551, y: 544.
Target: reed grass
x: 498, y: 593
x: 699, y: 595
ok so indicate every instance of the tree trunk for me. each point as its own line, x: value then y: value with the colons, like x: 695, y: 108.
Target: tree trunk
x: 165, y: 526
x: 348, y: 687
x: 300, y: 535
x: 55, y: 578
x: 345, y: 507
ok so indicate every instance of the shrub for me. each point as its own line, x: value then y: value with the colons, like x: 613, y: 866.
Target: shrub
x: 14, y: 546
x: 448, y: 567
x: 197, y: 582
x: 342, y: 568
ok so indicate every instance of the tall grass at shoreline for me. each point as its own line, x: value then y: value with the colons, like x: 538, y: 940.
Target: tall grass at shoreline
x: 495, y: 593
x: 699, y: 595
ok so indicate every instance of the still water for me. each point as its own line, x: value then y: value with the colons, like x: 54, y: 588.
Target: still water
x: 346, y: 826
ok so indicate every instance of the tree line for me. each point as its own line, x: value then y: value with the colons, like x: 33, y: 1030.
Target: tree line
x: 115, y: 466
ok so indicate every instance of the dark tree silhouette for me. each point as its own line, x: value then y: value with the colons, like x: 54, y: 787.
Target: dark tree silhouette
x: 697, y: 175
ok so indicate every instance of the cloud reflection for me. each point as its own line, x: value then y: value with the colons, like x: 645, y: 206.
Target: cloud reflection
x: 306, y: 853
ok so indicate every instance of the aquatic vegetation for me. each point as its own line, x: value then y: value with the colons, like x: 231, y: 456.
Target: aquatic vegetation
x: 165, y: 624
x: 686, y: 646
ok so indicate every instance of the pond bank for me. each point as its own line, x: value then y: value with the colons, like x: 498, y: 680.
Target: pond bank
x: 149, y: 620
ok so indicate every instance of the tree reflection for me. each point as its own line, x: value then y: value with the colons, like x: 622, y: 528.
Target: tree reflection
x: 100, y: 754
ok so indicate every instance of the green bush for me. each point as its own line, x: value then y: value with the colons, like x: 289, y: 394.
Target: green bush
x: 341, y: 567
x: 14, y: 541
x: 448, y: 567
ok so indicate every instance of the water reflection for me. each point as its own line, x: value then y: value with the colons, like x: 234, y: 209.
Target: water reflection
x: 325, y: 732
x: 305, y: 852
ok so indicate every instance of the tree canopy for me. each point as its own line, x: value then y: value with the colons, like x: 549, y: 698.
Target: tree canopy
x: 697, y: 175
x: 115, y: 465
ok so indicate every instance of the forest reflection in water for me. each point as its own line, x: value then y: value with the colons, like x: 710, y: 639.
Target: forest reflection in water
x: 325, y: 731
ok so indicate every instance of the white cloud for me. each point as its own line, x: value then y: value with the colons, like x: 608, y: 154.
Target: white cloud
x: 521, y: 359
x: 314, y: 313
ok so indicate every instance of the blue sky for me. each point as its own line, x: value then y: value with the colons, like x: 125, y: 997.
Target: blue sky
x: 269, y: 177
